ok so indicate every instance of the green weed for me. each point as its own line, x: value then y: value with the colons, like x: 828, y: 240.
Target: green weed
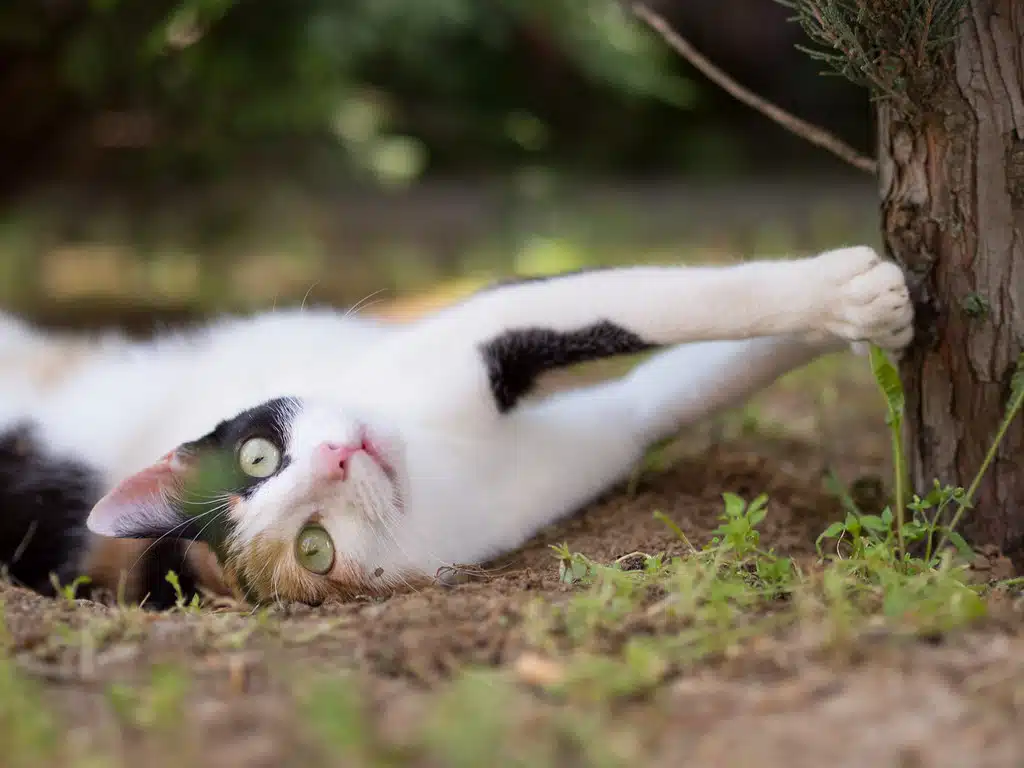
x: 872, y: 567
x: 69, y: 591
x: 890, y: 535
x: 888, y: 379
x: 707, y: 601
x: 181, y: 603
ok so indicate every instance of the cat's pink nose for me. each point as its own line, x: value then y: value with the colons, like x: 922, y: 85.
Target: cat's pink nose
x: 330, y: 459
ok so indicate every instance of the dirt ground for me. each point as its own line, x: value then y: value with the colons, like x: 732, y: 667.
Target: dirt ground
x: 447, y: 676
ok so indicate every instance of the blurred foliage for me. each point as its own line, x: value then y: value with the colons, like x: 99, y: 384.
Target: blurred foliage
x: 180, y: 89
x: 897, y: 48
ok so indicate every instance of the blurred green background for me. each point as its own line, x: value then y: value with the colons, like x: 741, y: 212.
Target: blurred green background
x: 173, y: 157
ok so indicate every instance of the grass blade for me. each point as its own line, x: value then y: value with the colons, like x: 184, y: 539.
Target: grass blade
x: 888, y: 380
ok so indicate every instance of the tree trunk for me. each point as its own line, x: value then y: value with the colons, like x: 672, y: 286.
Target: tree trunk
x: 952, y: 186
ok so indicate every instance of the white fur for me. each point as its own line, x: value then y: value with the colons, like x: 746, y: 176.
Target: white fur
x: 472, y: 482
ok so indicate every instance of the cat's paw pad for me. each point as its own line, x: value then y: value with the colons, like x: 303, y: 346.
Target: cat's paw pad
x: 868, y: 300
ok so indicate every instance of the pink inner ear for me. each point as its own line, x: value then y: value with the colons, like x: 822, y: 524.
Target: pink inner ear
x: 138, y: 504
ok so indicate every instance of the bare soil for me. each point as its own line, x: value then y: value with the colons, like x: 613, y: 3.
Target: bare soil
x: 777, y: 700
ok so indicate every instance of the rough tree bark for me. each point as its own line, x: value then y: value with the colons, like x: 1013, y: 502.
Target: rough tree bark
x: 952, y: 185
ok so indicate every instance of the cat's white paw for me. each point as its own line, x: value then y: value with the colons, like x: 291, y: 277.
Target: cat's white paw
x: 865, y: 298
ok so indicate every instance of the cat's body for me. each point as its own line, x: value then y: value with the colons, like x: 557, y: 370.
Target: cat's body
x: 399, y: 450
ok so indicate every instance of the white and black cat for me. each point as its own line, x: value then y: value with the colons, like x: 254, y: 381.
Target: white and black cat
x: 322, y: 455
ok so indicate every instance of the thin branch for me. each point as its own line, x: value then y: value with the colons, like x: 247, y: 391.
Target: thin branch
x: 812, y: 133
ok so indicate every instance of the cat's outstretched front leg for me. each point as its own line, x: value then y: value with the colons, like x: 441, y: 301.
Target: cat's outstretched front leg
x: 485, y: 354
x: 561, y: 452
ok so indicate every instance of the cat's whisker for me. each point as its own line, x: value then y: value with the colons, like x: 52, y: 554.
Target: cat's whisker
x: 401, y: 579
x: 196, y: 499
x: 268, y: 563
x: 351, y: 312
x: 302, y: 305
x: 276, y: 581
x: 370, y: 304
x: 169, y: 532
x: 221, y: 513
x: 395, y: 540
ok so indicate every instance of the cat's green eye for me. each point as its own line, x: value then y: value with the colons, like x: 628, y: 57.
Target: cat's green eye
x: 258, y: 457
x: 314, y: 549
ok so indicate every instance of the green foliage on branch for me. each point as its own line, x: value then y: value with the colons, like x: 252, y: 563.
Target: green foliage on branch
x: 897, y: 48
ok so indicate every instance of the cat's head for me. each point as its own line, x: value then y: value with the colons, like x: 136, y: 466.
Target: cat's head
x: 293, y: 496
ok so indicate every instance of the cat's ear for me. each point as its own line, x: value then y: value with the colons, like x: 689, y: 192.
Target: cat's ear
x: 145, y: 505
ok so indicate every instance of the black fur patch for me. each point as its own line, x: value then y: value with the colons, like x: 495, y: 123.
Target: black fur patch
x: 44, y: 502
x: 163, y: 556
x: 270, y: 420
x: 517, y: 358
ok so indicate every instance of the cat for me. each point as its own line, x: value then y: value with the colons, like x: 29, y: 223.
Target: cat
x: 307, y: 455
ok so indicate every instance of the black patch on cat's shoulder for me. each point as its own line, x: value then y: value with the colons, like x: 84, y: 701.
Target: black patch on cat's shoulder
x: 44, y: 502
x: 515, y: 359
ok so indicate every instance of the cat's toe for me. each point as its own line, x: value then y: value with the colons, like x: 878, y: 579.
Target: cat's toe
x: 870, y: 302
x: 842, y: 265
